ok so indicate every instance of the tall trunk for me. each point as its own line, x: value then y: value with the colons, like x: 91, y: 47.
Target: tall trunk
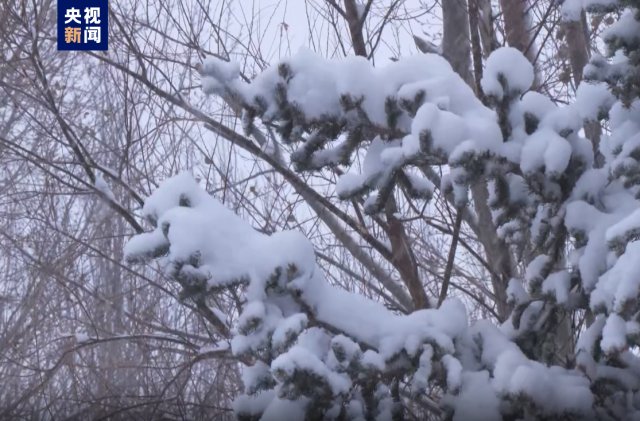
x: 456, y: 45
x: 518, y: 31
x: 456, y: 41
x: 354, y: 20
x: 476, y: 25
x: 486, y: 27
x: 403, y: 257
x: 577, y: 37
x: 519, y: 36
x: 578, y: 43
x: 517, y: 28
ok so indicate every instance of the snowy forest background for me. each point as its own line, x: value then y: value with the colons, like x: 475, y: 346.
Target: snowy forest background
x: 398, y: 209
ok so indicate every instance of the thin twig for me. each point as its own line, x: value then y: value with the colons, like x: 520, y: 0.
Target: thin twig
x: 452, y: 254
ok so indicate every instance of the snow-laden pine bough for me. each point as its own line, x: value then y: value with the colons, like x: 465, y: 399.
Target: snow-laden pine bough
x: 315, y: 351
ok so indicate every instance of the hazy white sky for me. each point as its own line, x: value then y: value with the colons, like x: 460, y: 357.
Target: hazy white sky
x: 281, y: 27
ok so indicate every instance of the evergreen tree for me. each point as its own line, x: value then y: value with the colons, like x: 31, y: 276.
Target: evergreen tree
x: 313, y: 351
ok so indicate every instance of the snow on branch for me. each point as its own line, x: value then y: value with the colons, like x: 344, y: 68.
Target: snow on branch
x: 317, y: 351
x: 325, y: 352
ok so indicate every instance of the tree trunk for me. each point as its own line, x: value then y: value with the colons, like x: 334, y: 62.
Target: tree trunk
x: 578, y: 46
x: 518, y: 31
x: 457, y: 49
x: 456, y: 40
x: 403, y: 258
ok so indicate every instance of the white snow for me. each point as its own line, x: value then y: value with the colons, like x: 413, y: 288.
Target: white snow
x: 283, y: 289
x: 477, y: 399
x: 192, y: 229
x: 516, y: 292
x: 252, y: 375
x: 545, y: 149
x: 454, y: 372
x: 620, y: 285
x: 349, y: 183
x: 557, y: 284
x: 292, y: 325
x: 217, y: 74
x: 553, y: 389
x: 373, y: 360
x: 592, y: 99
x: 421, y: 185
x: 627, y: 27
x: 571, y: 9
x: 535, y: 268
x: 624, y: 229
x: 280, y: 409
x: 509, y: 63
x: 253, y: 404
x: 104, y: 188
x: 299, y: 358
x: 137, y: 247
x: 420, y: 379
x: 536, y: 104
x: 614, y: 334
x: 316, y: 85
